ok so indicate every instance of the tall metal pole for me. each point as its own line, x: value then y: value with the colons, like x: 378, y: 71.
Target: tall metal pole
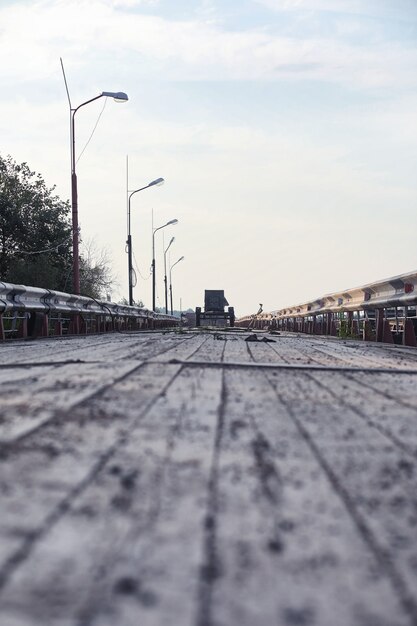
x: 165, y: 275
x: 129, y: 255
x: 129, y: 247
x: 153, y: 259
x: 74, y: 207
x: 119, y: 97
x: 166, y: 286
x: 170, y: 281
x: 74, y: 190
x: 153, y: 270
x: 74, y: 202
x: 156, y: 182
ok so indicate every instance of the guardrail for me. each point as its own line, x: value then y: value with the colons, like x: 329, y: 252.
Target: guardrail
x: 29, y: 312
x: 384, y: 311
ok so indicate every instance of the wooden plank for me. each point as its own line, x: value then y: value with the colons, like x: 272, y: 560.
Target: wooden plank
x: 301, y: 350
x: 374, y: 477
x: 382, y: 411
x: 212, y: 349
x: 356, y: 353
x: 186, y: 349
x: 138, y: 526
x: 92, y: 348
x: 40, y: 476
x: 402, y: 389
x: 287, y: 551
x: 28, y: 404
x: 237, y: 350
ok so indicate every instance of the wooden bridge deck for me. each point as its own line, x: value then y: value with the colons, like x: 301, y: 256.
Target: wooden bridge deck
x: 198, y: 479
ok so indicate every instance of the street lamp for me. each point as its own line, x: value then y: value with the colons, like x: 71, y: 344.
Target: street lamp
x: 118, y: 96
x: 170, y: 281
x: 157, y: 182
x: 165, y: 275
x: 170, y: 223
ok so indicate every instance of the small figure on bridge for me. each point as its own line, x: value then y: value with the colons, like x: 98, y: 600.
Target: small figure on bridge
x: 251, y: 323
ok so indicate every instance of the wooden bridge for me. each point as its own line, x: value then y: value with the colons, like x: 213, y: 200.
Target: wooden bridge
x: 200, y: 479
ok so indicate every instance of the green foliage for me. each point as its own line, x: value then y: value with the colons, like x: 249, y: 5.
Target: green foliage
x: 137, y: 303
x: 36, y: 237
x: 35, y: 230
x: 344, y: 331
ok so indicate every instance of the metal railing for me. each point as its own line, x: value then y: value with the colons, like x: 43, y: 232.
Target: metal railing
x: 29, y: 312
x: 384, y: 311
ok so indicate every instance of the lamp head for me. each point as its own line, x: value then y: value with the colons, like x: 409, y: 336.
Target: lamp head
x: 158, y: 182
x: 172, y: 222
x: 169, y: 245
x: 118, y: 96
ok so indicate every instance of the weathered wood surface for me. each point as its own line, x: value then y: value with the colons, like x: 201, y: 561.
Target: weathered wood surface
x: 198, y: 479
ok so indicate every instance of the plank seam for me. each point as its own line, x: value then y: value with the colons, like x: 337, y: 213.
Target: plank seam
x: 381, y: 555
x: 6, y: 445
x: 28, y: 544
x: 287, y: 366
x: 367, y: 420
x: 210, y: 569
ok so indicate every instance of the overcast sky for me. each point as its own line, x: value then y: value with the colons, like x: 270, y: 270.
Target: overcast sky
x: 285, y: 130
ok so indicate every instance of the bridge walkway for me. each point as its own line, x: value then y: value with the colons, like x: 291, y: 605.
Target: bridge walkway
x: 195, y: 478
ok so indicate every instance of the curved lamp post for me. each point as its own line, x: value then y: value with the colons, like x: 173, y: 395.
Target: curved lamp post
x: 157, y: 182
x: 165, y: 275
x: 170, y: 281
x: 170, y: 223
x: 118, y: 96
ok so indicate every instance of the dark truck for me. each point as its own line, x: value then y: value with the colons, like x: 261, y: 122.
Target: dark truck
x: 214, y: 313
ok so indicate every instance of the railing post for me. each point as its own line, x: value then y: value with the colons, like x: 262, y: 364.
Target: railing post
x: 367, y: 330
x: 22, y: 328
x: 45, y: 326
x: 356, y: 325
x: 409, y: 334
x: 379, y: 317
x: 58, y: 328
x: 333, y: 330
x: 350, y: 322
x: 383, y: 328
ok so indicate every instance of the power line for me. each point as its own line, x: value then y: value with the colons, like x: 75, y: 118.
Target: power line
x: 139, y: 272
x: 93, y: 131
x: 27, y: 253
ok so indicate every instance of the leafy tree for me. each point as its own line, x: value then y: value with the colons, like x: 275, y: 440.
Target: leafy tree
x: 36, y: 237
x: 96, y: 278
x: 35, y: 229
x: 137, y: 303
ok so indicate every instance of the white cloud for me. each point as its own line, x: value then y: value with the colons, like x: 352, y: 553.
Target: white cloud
x: 377, y: 8
x: 36, y: 36
x: 132, y: 4
x: 314, y: 5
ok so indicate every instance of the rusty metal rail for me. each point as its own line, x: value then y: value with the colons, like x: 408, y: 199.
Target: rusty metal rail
x: 384, y: 311
x: 35, y: 312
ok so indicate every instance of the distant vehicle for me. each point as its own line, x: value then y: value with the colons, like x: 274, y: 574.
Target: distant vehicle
x: 214, y: 313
